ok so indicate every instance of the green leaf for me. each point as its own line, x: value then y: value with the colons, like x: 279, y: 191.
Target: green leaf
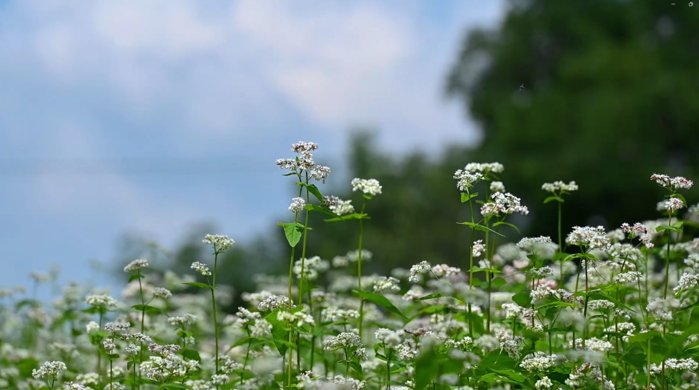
x: 147, y: 308
x: 431, y: 296
x: 174, y: 386
x: 465, y: 197
x: 321, y: 209
x: 522, y: 298
x: 426, y: 368
x: 507, y: 224
x: 135, y: 277
x: 552, y: 198
x: 293, y: 232
x: 499, y: 282
x: 200, y: 285
x: 191, y: 354
x: 279, y: 332
x: 519, y: 378
x: 348, y: 217
x: 676, y: 229
x: 379, y: 300
x: 482, y: 228
x: 315, y: 191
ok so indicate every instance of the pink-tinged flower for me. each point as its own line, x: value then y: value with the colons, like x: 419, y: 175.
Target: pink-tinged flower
x: 672, y: 183
x: 519, y: 264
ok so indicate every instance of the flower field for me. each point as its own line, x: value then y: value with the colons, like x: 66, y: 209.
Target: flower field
x: 593, y: 308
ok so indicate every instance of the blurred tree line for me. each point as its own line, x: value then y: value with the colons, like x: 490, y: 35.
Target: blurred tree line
x: 610, y: 95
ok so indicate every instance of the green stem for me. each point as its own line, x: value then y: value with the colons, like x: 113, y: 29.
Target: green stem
x: 388, y: 368
x: 291, y: 281
x: 303, y: 249
x: 470, y: 267
x: 560, y: 243
x: 667, y: 256
x: 359, y: 272
x: 213, y: 308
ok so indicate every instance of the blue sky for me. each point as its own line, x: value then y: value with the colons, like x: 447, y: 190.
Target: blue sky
x: 105, y: 106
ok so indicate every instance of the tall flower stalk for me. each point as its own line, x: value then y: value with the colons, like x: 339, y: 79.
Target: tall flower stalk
x: 557, y: 189
x: 370, y: 188
x: 301, y: 166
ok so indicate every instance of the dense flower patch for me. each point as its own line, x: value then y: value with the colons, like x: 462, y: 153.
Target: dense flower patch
x: 594, y: 308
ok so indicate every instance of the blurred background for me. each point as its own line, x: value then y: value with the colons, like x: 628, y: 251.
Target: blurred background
x: 129, y: 123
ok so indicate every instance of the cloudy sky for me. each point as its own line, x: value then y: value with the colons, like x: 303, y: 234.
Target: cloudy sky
x: 122, y: 116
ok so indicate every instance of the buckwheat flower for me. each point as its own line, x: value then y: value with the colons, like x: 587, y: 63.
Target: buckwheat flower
x: 319, y: 173
x: 384, y: 283
x: 273, y: 302
x: 219, y: 242
x: 89, y: 379
x: 367, y: 186
x: 335, y: 314
x: 136, y: 265
x: 673, y: 204
x: 641, y: 231
x: 673, y: 364
x: 512, y: 310
x: 115, y: 386
x: 510, y: 203
x: 600, y: 304
x: 484, y: 167
x: 662, y: 308
x: 558, y: 186
x: 672, y: 183
x: 182, y: 321
x: 445, y: 271
x: 478, y: 248
x: 591, y: 237
x: 544, y: 382
x: 343, y: 340
x: 497, y: 186
x: 75, y: 386
x: 161, y: 293
x: 628, y: 277
x: 109, y: 345
x: 300, y: 317
x: 92, y: 327
x: 297, y: 205
x: 49, y: 370
x: 694, y: 209
x: 201, y: 268
x: 117, y: 328
x: 261, y: 328
x: 538, y: 361
x: 540, y: 273
x: 388, y: 337
x: 219, y: 379
x: 687, y: 282
x: 466, y: 179
x: 417, y: 270
x: 337, y: 205
x: 541, y: 292
x: 101, y: 300
x: 511, y: 346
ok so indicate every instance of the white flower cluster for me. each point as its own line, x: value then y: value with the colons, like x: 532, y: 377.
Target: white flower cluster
x: 662, y: 308
x: 484, y: 168
x: 588, y: 236
x: 384, y: 283
x: 117, y: 328
x: 343, y: 340
x: 593, y: 344
x: 417, y: 270
x: 335, y: 314
x: 219, y: 242
x: 478, y: 248
x: 445, y: 271
x: 559, y: 186
x: 337, y: 205
x: 639, y: 230
x: 304, y: 162
x: 673, y: 204
x: 503, y: 203
x: 159, y: 368
x: 367, y: 186
x: 202, y: 268
x: 672, y: 183
x: 687, y: 282
x: 182, y: 321
x: 388, y: 337
x: 300, y: 318
x: 497, y: 186
x: 600, y: 304
x: 466, y: 342
x: 687, y: 364
x: 49, y: 370
x: 544, y: 382
x: 538, y: 361
x: 101, y: 300
x: 161, y: 293
x: 627, y: 277
x: 136, y: 265
x: 297, y: 205
x: 530, y: 244
x: 312, y: 267
x: 466, y: 179
x: 272, y: 302
x: 540, y: 273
